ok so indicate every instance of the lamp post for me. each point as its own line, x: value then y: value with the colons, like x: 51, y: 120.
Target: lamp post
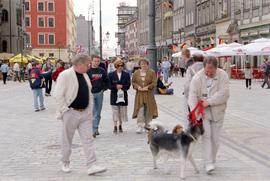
x: 100, y: 30
x: 88, y: 27
x: 152, y: 48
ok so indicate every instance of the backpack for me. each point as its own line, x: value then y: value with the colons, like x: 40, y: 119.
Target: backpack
x: 35, y: 80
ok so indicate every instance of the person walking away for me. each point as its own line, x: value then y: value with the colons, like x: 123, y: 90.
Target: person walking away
x: 37, y: 82
x: 119, y: 83
x: 4, y: 69
x: 248, y: 75
x: 130, y: 67
x: 145, y: 108
x: 266, y: 71
x: 165, y: 66
x: 191, y: 71
x: 211, y: 85
x: 99, y: 80
x: 16, y: 69
x: 73, y: 100
x: 48, y: 67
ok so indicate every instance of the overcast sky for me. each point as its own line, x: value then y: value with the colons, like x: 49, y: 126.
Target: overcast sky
x: 109, y: 15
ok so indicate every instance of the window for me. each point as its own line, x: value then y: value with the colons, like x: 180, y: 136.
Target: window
x: 4, y: 46
x: 51, y: 39
x: 41, y: 22
x: 256, y: 3
x: 27, y: 21
x: 28, y: 39
x: 51, y: 54
x: 19, y: 17
x: 41, y: 6
x: 51, y: 22
x: 246, y: 4
x: 4, y: 15
x: 50, y: 6
x: 41, y: 39
x: 41, y: 54
x: 27, y: 6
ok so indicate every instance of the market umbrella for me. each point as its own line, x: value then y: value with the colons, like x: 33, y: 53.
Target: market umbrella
x: 224, y: 50
x: 18, y: 59
x: 30, y: 57
x: 254, y: 49
x: 6, y: 56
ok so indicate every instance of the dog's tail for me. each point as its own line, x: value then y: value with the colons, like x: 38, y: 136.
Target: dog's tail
x: 156, y: 126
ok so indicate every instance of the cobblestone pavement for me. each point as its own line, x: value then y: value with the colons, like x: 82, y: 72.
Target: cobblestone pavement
x: 30, y: 141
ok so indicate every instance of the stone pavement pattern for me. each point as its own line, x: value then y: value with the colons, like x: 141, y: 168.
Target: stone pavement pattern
x: 30, y: 142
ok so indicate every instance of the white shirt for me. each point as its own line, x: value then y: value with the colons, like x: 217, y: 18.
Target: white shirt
x: 209, y: 84
x: 119, y: 75
x: 16, y: 67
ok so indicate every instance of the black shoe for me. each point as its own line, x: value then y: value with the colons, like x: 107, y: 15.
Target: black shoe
x: 37, y: 110
x: 115, y: 129
x: 268, y: 88
x: 94, y: 135
x: 120, y: 129
x: 97, y: 133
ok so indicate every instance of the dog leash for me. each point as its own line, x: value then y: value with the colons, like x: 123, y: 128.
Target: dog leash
x: 192, y: 114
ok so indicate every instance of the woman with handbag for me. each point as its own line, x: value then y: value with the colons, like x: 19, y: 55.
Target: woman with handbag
x: 144, y: 81
x: 119, y: 83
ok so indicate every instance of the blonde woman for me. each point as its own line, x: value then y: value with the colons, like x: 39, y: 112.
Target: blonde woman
x: 144, y: 82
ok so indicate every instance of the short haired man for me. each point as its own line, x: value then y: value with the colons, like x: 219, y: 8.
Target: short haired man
x: 4, y: 69
x: 73, y: 96
x: 211, y: 85
x: 99, y: 80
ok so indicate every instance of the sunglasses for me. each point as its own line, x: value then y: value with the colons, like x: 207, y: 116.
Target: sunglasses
x: 120, y: 66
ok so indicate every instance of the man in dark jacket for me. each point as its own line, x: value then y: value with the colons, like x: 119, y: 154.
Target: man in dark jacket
x: 99, y: 80
x: 37, y: 82
x: 119, y: 83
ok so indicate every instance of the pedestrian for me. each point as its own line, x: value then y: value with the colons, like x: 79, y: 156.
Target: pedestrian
x: 191, y: 71
x: 211, y: 85
x: 166, y: 66
x: 159, y: 69
x: 60, y: 69
x: 28, y: 68
x: 145, y: 108
x: 266, y: 71
x: 182, y: 67
x: 48, y: 67
x: 111, y: 67
x: 73, y: 97
x: 119, y: 83
x: 4, y: 69
x: 37, y: 82
x: 186, y: 56
x: 227, y: 67
x: 130, y: 67
x: 248, y: 75
x: 22, y: 73
x: 99, y: 80
x: 16, y: 69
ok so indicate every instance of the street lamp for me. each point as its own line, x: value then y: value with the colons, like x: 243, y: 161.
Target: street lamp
x: 107, y: 38
x: 152, y: 48
x: 89, y: 23
x: 100, y: 30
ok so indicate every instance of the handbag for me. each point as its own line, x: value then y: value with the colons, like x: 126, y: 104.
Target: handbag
x: 120, y: 96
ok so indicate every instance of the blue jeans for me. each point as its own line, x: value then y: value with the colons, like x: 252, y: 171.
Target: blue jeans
x: 38, y: 95
x: 97, y: 107
x: 166, y: 74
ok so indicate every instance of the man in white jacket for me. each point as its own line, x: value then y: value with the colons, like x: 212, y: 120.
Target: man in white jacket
x: 73, y: 99
x: 211, y: 85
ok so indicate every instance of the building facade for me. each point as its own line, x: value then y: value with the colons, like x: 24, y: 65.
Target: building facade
x: 143, y: 25
x: 131, y: 35
x: 190, y: 23
x: 124, y: 14
x: 12, y: 30
x: 51, y: 28
x: 85, y: 29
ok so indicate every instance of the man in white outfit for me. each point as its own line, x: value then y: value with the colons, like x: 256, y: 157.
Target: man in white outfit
x: 211, y: 85
x: 74, y: 108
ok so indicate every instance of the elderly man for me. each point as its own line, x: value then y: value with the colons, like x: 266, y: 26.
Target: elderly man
x: 73, y: 97
x: 211, y: 85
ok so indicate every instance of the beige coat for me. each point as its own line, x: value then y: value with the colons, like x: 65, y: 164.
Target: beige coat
x: 66, y: 90
x: 148, y: 97
x: 219, y: 94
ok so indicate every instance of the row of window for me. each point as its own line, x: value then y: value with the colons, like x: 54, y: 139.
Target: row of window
x: 41, y: 6
x: 41, y: 22
x: 43, y: 39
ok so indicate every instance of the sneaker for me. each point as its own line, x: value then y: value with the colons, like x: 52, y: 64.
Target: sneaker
x: 97, y: 133
x: 42, y: 108
x: 115, y: 129
x: 120, y: 129
x: 37, y: 110
x: 66, y: 168
x: 209, y: 168
x: 139, y: 130
x: 96, y: 169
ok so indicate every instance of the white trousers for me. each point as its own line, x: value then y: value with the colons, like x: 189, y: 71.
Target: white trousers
x: 210, y: 140
x: 120, y: 114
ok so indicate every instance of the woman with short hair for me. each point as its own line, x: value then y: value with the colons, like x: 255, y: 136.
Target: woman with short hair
x: 145, y: 108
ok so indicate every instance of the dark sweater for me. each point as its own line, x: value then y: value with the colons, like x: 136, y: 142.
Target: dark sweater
x: 82, y: 99
x: 99, y: 79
